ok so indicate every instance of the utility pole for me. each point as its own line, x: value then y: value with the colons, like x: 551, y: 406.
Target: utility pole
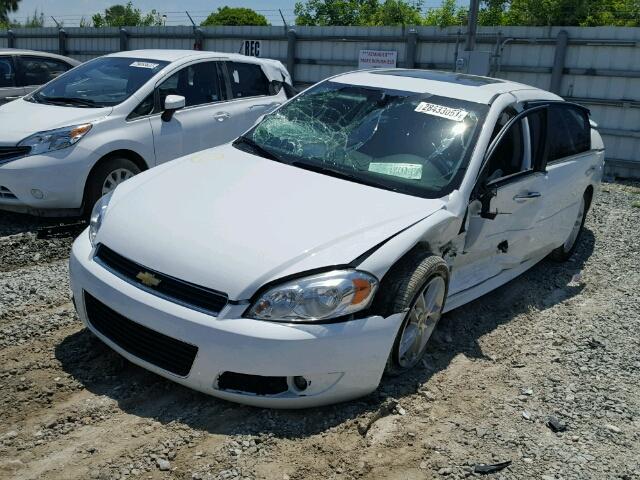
x: 472, y: 26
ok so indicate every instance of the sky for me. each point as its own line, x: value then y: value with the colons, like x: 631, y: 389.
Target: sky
x: 71, y: 11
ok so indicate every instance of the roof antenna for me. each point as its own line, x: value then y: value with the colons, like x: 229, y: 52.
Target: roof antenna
x: 56, y: 22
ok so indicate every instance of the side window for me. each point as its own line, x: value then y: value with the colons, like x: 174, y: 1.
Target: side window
x: 569, y: 131
x: 40, y: 70
x: 143, y: 109
x: 247, y: 80
x: 508, y: 157
x: 198, y: 84
x: 7, y: 73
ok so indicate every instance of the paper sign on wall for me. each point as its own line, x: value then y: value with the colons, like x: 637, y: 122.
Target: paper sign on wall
x: 377, y: 59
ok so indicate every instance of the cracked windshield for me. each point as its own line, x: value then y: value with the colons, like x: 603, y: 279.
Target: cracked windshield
x: 418, y: 144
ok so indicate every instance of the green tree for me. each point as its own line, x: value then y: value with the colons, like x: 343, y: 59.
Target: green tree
x: 358, y: 12
x: 446, y: 15
x: 125, y: 16
x: 335, y: 12
x: 235, y: 16
x: 7, y: 7
x: 397, y: 12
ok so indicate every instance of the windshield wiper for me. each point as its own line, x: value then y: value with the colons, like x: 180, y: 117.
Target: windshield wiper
x: 68, y: 101
x: 334, y: 172
x: 257, y: 148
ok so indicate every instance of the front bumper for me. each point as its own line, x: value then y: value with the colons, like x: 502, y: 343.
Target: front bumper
x: 40, y: 183
x: 342, y: 360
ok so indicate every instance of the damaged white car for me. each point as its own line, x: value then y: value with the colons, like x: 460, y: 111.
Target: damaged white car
x: 295, y: 266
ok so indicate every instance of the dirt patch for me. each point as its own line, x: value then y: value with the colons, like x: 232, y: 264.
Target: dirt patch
x: 550, y: 343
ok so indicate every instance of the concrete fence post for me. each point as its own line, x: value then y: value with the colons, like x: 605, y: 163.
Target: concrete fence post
x: 291, y: 53
x: 11, y: 39
x: 411, y: 48
x: 62, y: 42
x: 198, y: 36
x: 124, y: 40
x: 562, y: 41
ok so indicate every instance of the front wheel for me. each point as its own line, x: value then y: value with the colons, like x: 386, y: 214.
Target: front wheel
x: 418, y: 286
x: 106, y: 177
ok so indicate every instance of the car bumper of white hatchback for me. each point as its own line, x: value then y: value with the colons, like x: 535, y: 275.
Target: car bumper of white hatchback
x: 249, y: 361
x: 40, y: 183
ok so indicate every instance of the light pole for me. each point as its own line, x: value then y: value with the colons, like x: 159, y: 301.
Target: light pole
x: 472, y: 26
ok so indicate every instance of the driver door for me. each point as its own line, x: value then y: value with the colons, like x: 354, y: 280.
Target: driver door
x: 507, y: 204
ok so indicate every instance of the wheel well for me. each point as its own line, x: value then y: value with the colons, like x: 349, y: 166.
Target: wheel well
x: 588, y: 193
x: 128, y: 154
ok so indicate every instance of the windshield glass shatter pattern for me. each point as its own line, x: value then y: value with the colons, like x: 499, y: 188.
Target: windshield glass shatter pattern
x: 384, y: 137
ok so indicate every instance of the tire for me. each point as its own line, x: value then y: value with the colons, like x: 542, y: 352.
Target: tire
x: 565, y: 251
x: 117, y: 168
x: 401, y: 290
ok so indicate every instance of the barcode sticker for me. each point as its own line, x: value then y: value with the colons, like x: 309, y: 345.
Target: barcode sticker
x: 455, y: 114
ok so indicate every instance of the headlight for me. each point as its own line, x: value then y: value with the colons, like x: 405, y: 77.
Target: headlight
x: 318, y: 297
x: 58, y: 139
x: 97, y: 215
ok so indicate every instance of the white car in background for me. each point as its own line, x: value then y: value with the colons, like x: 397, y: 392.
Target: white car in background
x: 22, y: 71
x: 75, y: 139
x: 296, y: 265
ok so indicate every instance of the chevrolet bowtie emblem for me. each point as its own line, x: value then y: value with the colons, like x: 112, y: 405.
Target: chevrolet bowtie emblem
x: 148, y: 279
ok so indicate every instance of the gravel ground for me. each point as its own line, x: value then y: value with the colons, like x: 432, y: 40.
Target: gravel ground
x: 552, y: 347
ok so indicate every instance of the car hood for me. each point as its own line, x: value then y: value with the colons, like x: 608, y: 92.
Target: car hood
x: 232, y: 221
x: 19, y: 119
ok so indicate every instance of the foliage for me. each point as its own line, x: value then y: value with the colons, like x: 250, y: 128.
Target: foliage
x: 450, y: 12
x: 125, y: 16
x: 235, y: 16
x: 358, y: 12
x: 7, y: 7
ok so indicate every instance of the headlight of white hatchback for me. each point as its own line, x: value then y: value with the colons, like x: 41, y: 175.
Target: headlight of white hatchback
x: 317, y: 297
x: 97, y: 216
x: 51, y: 140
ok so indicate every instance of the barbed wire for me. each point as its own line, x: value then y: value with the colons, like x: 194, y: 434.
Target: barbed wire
x: 275, y: 16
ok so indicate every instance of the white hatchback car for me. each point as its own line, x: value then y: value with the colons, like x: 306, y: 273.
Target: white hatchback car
x: 75, y: 139
x: 296, y: 265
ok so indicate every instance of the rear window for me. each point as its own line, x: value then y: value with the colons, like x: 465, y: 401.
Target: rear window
x: 247, y: 80
x: 570, y: 132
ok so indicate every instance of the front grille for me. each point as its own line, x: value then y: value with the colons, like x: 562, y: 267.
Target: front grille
x: 171, y: 288
x: 11, y: 153
x: 154, y: 347
x: 5, y: 193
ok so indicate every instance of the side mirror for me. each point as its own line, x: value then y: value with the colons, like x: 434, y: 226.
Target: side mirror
x: 171, y: 104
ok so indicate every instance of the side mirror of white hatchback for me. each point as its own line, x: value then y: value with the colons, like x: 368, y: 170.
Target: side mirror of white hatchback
x: 171, y: 104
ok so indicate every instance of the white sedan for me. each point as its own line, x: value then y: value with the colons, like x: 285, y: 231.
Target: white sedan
x: 295, y: 266
x: 79, y: 136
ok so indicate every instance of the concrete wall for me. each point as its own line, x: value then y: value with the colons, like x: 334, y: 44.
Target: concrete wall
x: 601, y: 67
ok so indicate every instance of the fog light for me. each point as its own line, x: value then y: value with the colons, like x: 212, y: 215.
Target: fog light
x: 37, y: 194
x: 300, y: 383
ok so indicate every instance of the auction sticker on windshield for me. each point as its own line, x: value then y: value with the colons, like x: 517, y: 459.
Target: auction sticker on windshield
x: 455, y: 114
x: 144, y: 65
x: 410, y: 171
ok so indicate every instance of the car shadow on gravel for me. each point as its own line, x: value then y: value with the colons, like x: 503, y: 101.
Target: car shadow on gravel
x: 139, y: 392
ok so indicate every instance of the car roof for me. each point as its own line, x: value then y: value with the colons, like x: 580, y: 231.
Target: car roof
x: 170, y: 55
x: 36, y: 53
x: 461, y: 86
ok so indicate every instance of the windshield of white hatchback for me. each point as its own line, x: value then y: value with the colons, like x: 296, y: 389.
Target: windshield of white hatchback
x: 103, y: 82
x: 417, y: 144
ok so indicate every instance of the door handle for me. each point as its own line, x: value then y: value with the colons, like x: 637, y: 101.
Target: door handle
x: 589, y: 171
x: 527, y: 196
x: 221, y: 116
